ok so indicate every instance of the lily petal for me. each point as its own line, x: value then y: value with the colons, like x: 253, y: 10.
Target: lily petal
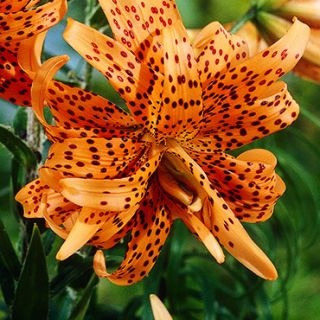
x: 29, y: 54
x: 12, y: 6
x: 19, y: 25
x: 234, y: 124
x: 115, y: 223
x: 197, y: 227
x: 133, y: 23
x: 181, y: 108
x: 87, y: 224
x: 225, y: 225
x: 218, y: 51
x: 14, y: 83
x: 249, y: 81
x: 30, y: 198
x: 148, y: 235
x: 75, y: 107
x: 94, y: 158
x: 138, y: 85
x: 248, y: 183
x: 111, y: 194
x: 42, y: 90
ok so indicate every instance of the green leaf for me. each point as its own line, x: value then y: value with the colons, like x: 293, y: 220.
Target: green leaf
x: 32, y: 294
x: 17, y: 147
x: 82, y: 305
x: 7, y: 253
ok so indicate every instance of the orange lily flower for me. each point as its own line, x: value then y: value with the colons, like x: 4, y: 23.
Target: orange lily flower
x: 20, y: 20
x: 111, y: 172
x: 275, y: 23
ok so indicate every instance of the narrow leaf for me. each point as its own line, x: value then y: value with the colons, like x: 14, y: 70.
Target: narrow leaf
x: 32, y: 294
x: 8, y: 254
x: 6, y: 284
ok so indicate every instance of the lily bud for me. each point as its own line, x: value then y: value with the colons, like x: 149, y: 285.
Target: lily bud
x: 270, y: 4
x: 307, y: 11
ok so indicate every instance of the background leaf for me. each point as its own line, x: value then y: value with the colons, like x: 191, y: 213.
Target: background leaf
x: 17, y: 147
x: 32, y: 294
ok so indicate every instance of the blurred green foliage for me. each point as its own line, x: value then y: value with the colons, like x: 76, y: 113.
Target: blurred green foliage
x: 190, y: 283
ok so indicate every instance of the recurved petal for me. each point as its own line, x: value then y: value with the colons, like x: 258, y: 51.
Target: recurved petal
x: 112, y: 241
x: 275, y: 27
x: 15, y: 85
x: 43, y: 88
x: 26, y: 23
x: 116, y: 224
x: 248, y: 183
x: 111, y: 194
x: 218, y: 50
x: 225, y: 225
x: 198, y: 228
x: 30, y: 198
x: 59, y: 214
x: 139, y: 85
x: 150, y: 230
x: 248, y: 81
x: 233, y: 123
x: 75, y: 107
x: 230, y: 232
x: 87, y: 224
x: 29, y: 53
x: 136, y: 21
x: 12, y: 6
x: 94, y: 158
x: 181, y: 106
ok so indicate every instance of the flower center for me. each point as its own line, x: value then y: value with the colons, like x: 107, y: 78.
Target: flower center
x: 176, y: 180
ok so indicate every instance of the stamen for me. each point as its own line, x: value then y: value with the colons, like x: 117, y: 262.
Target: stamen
x: 171, y: 186
x: 180, y: 183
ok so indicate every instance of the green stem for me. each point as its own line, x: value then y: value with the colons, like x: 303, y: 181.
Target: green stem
x: 34, y: 139
x: 249, y: 15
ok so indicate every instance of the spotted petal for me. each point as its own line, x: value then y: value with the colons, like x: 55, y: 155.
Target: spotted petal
x: 95, y: 158
x: 151, y: 228
x: 15, y: 85
x: 248, y: 91
x: 75, y: 107
x: 85, y: 227
x: 139, y: 85
x: 26, y: 23
x: 218, y: 51
x: 111, y: 194
x: 225, y: 225
x: 136, y: 21
x: 30, y: 198
x: 181, y: 107
x: 12, y: 6
x: 248, y: 183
